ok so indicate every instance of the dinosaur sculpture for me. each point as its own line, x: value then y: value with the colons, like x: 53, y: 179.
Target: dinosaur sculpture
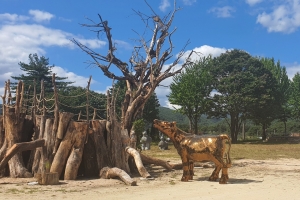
x: 198, y: 148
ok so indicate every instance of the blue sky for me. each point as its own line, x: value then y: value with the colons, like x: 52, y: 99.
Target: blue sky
x: 265, y: 28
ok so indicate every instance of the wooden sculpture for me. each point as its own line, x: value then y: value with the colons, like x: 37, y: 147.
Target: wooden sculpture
x: 198, y: 148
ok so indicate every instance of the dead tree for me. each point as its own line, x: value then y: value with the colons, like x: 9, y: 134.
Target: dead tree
x: 147, y: 62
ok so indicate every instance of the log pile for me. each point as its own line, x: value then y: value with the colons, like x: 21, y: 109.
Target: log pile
x: 53, y: 147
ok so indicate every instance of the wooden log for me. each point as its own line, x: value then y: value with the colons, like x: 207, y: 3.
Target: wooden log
x: 64, y: 119
x: 19, y: 147
x: 89, y: 166
x: 99, y: 127
x: 38, y: 156
x: 75, y: 157
x: 74, y: 140
x: 138, y: 161
x: 2, y: 133
x: 47, y: 178
x: 108, y: 173
x: 155, y: 161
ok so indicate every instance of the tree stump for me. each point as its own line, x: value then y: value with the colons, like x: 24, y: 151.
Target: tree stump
x: 47, y: 178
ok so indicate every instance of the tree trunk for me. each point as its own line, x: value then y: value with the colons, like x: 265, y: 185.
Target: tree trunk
x: 102, y: 155
x: 264, y: 134
x: 115, y: 146
x: 38, y: 155
x: 13, y: 130
x: 234, y: 127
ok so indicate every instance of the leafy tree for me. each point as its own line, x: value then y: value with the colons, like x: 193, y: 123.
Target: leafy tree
x: 245, y: 89
x: 265, y: 104
x: 283, y: 89
x: 294, y: 100
x: 38, y: 69
x: 191, y: 89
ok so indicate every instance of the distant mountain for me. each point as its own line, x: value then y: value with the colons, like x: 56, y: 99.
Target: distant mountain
x: 168, y: 114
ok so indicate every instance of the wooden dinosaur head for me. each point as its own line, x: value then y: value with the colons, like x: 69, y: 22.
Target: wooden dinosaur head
x: 168, y: 128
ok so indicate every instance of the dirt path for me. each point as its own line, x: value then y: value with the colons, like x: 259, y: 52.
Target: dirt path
x: 248, y: 179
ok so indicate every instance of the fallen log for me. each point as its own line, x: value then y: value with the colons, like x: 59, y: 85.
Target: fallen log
x: 155, y: 161
x: 19, y: 147
x: 108, y: 173
x: 138, y: 161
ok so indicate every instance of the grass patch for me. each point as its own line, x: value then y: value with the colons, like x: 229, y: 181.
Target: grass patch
x: 172, y: 182
x: 256, y: 150
x: 13, y: 191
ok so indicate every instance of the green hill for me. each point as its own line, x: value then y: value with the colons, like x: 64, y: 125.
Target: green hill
x: 168, y: 114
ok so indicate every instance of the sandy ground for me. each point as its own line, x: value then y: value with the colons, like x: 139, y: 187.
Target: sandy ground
x: 248, y: 179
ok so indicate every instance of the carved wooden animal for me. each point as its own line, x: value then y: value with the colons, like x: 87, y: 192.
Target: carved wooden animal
x: 197, y: 148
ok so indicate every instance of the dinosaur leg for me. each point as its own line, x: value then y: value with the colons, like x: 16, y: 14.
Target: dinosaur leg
x: 191, y: 169
x: 185, y: 166
x: 224, y: 178
x: 215, y: 175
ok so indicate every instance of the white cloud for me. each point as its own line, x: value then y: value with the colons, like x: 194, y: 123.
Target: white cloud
x: 222, y: 12
x: 164, y: 4
x: 253, y: 2
x: 204, y: 50
x: 17, y: 41
x: 189, y: 2
x: 40, y: 16
x: 284, y: 18
x: 12, y: 18
x: 292, y: 70
x: 78, y: 80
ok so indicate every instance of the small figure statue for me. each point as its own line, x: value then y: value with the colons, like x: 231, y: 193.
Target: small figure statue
x: 163, y: 144
x: 145, y: 141
x: 133, y: 139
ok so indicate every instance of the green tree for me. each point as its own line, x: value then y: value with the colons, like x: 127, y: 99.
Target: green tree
x: 191, y: 89
x: 294, y: 100
x: 244, y: 90
x: 265, y: 104
x: 283, y: 89
x: 38, y: 69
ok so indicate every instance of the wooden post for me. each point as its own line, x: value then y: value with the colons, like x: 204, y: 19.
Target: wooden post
x: 56, y: 108
x: 87, y: 100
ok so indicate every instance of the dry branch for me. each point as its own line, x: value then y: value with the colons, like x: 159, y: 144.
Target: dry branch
x: 149, y: 160
x: 19, y: 147
x: 138, y: 161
